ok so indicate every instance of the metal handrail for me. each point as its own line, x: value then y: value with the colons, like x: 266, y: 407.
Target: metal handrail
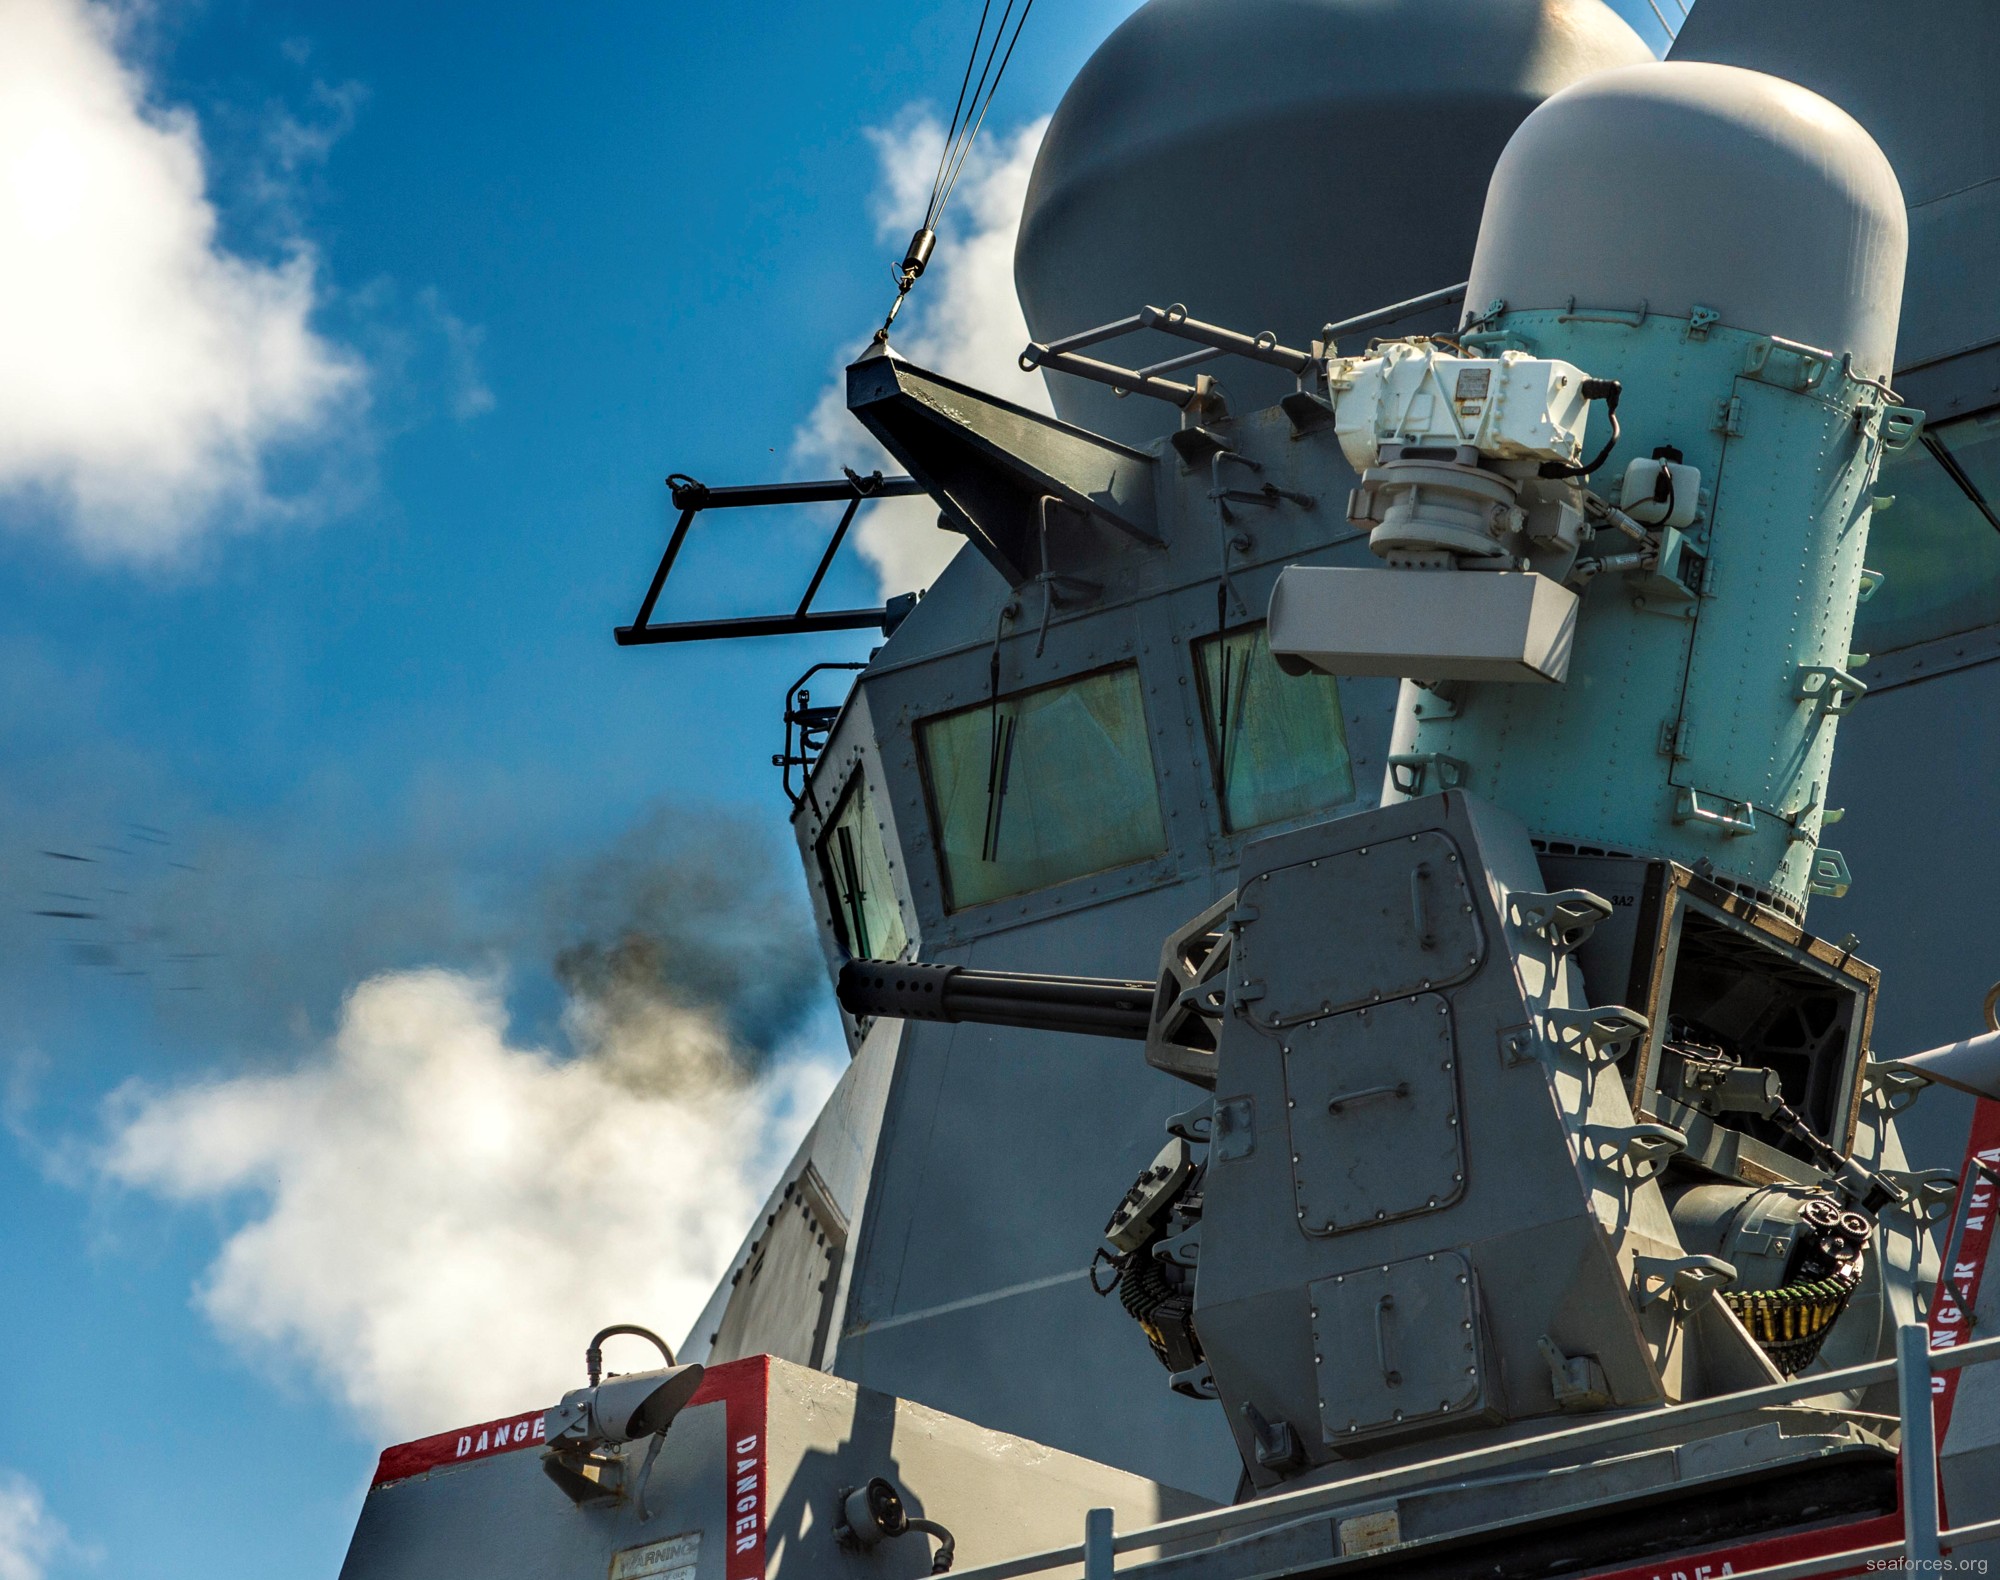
x: 1063, y: 355
x: 1913, y: 1368
x: 692, y: 497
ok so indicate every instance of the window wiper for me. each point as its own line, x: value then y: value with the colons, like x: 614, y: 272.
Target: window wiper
x: 1228, y: 719
x: 999, y: 765
x: 850, y: 872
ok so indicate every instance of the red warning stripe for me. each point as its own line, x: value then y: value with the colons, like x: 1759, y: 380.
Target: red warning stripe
x: 1949, y: 1322
x: 1771, y: 1552
x: 741, y: 1387
x: 744, y: 1387
x: 460, y: 1447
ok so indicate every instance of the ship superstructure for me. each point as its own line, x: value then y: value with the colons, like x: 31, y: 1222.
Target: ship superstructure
x: 1453, y: 688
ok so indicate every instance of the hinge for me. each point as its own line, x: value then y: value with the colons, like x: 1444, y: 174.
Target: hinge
x: 1729, y: 416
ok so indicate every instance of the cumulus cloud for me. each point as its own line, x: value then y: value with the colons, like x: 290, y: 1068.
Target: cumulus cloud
x: 440, y: 1216
x: 962, y: 320
x: 152, y: 375
x: 30, y: 1536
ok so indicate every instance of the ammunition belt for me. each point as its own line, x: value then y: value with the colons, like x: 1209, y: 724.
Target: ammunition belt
x: 1791, y: 1323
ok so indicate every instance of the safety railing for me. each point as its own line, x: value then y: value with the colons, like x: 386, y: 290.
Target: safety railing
x: 1922, y: 1546
x: 691, y: 498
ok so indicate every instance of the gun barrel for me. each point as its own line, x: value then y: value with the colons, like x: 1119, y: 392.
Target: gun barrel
x: 911, y: 990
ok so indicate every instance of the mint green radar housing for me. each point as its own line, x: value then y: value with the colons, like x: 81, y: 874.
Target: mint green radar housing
x: 1730, y: 249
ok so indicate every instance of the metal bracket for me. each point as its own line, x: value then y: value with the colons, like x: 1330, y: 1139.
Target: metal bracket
x: 1183, y: 1250
x: 1902, y: 426
x: 585, y: 1478
x: 1197, y: 1382
x: 1786, y: 364
x: 1647, y: 1148
x: 1563, y: 920
x: 1409, y: 770
x: 1195, y: 444
x: 1437, y: 699
x: 1930, y: 1194
x: 1832, y: 689
x: 1196, y: 1124
x: 1235, y: 1129
x: 1830, y: 875
x: 1600, y: 1036
x: 1063, y: 356
x: 1518, y: 1044
x: 1890, y: 1087
x: 1700, y: 321
x: 1690, y: 1282
x: 1733, y: 818
x: 1578, y: 1380
x: 1630, y: 317
x: 1308, y: 413
x: 1799, y: 834
x: 806, y: 727
x: 1191, y: 995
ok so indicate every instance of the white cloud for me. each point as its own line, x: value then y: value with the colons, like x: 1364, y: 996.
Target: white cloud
x: 29, y: 1534
x: 471, y: 395
x: 444, y: 1217
x: 150, y: 373
x: 962, y: 320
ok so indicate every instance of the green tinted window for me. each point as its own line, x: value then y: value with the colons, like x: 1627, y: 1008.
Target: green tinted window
x: 1938, y: 545
x: 866, y: 918
x: 1276, y: 742
x: 1042, y: 786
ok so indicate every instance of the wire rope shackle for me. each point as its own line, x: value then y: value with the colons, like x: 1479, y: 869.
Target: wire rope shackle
x: 975, y: 98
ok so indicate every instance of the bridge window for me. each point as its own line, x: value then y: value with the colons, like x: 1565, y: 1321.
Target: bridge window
x: 1938, y: 545
x: 1277, y: 744
x: 854, y: 862
x: 1042, y: 786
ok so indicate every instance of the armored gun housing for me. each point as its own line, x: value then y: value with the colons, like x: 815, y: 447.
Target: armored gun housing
x: 1425, y: 732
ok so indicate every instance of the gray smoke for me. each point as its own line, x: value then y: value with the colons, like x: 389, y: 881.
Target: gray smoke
x: 239, y: 941
x: 688, y: 911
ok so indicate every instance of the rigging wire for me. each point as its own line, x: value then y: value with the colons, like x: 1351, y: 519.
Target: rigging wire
x: 1665, y: 26
x: 975, y: 98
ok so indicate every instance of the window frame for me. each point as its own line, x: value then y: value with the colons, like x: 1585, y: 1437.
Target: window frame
x: 855, y: 786
x: 1053, y: 893
x: 1937, y: 453
x: 1205, y: 722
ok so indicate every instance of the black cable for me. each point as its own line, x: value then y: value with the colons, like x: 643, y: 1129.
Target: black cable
x: 965, y: 144
x: 947, y: 1545
x: 959, y: 137
x: 593, y: 1358
x: 1608, y: 391
x: 968, y: 115
x: 951, y: 134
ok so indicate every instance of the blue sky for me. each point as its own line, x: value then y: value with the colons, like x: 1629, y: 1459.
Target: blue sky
x: 311, y: 659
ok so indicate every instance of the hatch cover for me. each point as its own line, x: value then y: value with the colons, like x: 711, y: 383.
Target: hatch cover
x: 1395, y: 1344
x: 1378, y: 922
x: 1372, y: 1102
